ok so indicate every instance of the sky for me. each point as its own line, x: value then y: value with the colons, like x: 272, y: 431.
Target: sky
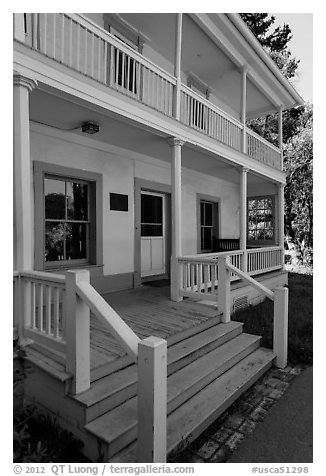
x: 301, y: 47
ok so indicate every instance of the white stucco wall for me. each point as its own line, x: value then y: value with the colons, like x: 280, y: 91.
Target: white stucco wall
x: 119, y: 172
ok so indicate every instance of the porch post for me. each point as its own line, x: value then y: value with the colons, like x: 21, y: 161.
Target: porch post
x: 176, y: 248
x: 280, y: 132
x: 281, y: 218
x: 244, y: 108
x: 177, y: 67
x: 23, y: 227
x: 243, y: 216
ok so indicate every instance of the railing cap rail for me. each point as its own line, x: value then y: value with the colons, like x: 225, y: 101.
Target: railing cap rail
x: 43, y: 276
x: 250, y: 280
x: 201, y: 256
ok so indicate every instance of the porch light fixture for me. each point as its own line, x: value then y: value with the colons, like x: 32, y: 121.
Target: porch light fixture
x: 90, y: 127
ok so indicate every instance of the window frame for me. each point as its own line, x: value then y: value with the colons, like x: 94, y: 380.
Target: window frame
x: 216, y: 220
x: 95, y: 206
x: 262, y: 242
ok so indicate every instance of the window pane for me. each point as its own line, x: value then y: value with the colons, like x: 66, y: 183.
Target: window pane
x: 77, y: 201
x: 54, y: 191
x: 208, y: 214
x: 76, y: 243
x: 206, y: 239
x: 151, y: 230
x: 54, y: 241
x: 151, y: 209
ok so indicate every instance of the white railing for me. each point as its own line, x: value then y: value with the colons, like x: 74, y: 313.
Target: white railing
x: 54, y: 311
x: 263, y: 151
x: 279, y: 296
x: 264, y: 259
x: 82, y: 45
x: 204, y: 116
x: 40, y: 301
x: 77, y: 42
x: 199, y: 273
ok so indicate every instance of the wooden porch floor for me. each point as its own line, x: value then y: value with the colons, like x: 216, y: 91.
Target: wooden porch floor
x: 148, y: 311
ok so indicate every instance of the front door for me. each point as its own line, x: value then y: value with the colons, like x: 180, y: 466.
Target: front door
x: 153, y: 234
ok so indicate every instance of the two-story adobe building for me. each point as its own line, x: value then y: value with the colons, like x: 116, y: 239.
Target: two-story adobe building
x: 133, y: 160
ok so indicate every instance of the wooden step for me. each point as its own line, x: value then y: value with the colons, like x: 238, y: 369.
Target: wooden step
x: 119, y: 364
x: 114, y: 389
x: 191, y: 419
x: 118, y: 428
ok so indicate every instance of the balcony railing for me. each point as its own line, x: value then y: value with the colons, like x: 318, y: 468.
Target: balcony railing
x: 80, y: 44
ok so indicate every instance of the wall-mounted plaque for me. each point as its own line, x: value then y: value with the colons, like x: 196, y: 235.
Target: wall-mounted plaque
x: 118, y: 202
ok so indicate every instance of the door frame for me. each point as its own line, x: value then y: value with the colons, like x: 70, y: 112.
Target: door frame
x: 155, y: 187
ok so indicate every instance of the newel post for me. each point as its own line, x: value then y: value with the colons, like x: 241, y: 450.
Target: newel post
x: 77, y: 332
x: 152, y: 400
x: 224, y: 300
x: 280, y: 341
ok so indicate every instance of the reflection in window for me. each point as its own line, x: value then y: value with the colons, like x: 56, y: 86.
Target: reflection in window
x: 66, y: 219
x: 260, y: 219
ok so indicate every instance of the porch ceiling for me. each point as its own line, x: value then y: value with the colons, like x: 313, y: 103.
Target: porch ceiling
x: 200, y: 56
x: 60, y: 113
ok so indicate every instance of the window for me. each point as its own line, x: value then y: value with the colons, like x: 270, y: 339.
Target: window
x: 261, y: 220
x: 151, y: 214
x: 66, y: 211
x: 68, y: 217
x: 208, y: 226
x: 126, y: 71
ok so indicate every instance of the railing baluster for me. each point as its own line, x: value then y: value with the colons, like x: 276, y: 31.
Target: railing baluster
x: 70, y: 41
x: 48, y: 310
x: 62, y: 37
x: 45, y: 32
x: 85, y: 51
x: 56, y: 312
x: 99, y: 43
x: 78, y: 47
x: 92, y: 56
x: 54, y: 17
x: 40, y: 308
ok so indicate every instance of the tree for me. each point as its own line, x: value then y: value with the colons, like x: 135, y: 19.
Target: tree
x: 275, y: 43
x: 297, y: 135
x: 298, y: 156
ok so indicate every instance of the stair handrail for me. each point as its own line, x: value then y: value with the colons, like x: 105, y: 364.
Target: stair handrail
x: 246, y: 277
x: 107, y: 315
x: 280, y: 296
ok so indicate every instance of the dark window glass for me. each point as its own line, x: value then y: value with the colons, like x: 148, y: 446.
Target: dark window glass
x: 151, y: 209
x: 76, y: 241
x: 260, y: 219
x: 77, y: 201
x: 66, y: 219
x: 54, y: 191
x: 151, y: 230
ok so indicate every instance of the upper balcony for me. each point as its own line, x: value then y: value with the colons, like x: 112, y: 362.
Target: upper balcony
x: 146, y: 72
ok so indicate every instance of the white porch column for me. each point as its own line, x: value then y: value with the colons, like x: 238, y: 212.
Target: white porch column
x: 23, y: 226
x: 281, y: 218
x: 244, y: 108
x: 176, y: 248
x: 280, y: 132
x: 243, y: 216
x: 177, y: 67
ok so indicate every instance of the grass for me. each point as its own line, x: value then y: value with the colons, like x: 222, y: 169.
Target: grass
x: 39, y: 439
x: 259, y: 320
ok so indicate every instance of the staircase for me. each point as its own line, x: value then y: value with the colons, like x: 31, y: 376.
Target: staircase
x: 207, y: 371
